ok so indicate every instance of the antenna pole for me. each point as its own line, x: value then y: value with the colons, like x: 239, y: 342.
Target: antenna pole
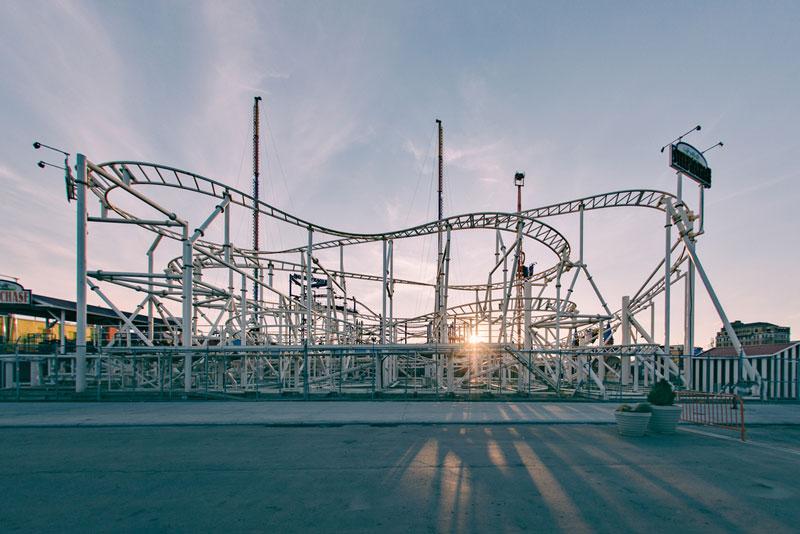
x: 256, y: 180
x: 440, y: 263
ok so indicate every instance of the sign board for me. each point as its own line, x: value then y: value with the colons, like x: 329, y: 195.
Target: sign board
x: 687, y: 159
x: 13, y: 293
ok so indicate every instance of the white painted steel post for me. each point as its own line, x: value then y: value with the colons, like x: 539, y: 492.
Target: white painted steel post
x: 528, y: 341
x: 392, y: 326
x: 383, y: 292
x: 381, y: 369
x: 601, y: 369
x: 702, y: 210
x: 477, y: 313
x: 451, y: 378
x: 688, y: 344
x: 560, y: 368
x: 243, y: 312
x: 667, y: 286
x: 231, y: 304
x: 344, y: 294
x: 390, y: 291
x: 227, y: 254
x: 80, y: 264
x: 150, y: 272
x: 446, y: 284
x: 270, y: 274
x: 626, y: 339
x: 743, y: 367
x: 489, y: 290
x: 62, y: 335
x: 309, y: 300
x: 309, y: 296
x: 186, y: 309
x: 653, y: 337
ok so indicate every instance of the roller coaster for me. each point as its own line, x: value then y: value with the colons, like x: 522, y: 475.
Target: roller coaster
x: 225, y: 319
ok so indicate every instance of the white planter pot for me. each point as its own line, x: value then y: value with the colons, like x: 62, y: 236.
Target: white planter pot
x: 632, y: 423
x: 664, y: 419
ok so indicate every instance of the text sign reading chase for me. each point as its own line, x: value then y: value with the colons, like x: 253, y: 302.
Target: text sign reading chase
x: 13, y: 293
x: 691, y: 162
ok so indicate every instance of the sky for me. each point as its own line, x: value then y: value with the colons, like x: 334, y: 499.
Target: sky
x: 578, y: 95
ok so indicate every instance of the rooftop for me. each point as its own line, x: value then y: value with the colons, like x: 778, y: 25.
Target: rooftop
x: 740, y: 324
x: 750, y: 350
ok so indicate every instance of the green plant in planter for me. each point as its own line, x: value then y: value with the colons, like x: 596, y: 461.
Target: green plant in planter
x: 661, y: 394
x: 642, y: 407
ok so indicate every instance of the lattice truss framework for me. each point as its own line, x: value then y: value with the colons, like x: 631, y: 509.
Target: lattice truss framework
x: 503, y: 336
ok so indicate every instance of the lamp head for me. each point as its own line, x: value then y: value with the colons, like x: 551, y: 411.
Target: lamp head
x: 41, y: 164
x: 37, y: 145
x: 519, y: 179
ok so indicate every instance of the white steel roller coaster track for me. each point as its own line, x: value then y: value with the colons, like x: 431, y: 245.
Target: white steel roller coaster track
x: 294, y: 343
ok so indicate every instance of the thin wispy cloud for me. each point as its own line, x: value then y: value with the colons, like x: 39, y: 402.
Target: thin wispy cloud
x: 571, y: 95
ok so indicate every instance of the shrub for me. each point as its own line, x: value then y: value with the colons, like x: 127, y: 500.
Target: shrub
x: 661, y: 394
x: 642, y: 407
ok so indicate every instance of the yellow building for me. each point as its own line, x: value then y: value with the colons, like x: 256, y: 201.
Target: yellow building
x: 15, y: 329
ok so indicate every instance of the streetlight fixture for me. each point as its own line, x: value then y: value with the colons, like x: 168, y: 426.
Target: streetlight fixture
x: 519, y: 181
x: 69, y: 180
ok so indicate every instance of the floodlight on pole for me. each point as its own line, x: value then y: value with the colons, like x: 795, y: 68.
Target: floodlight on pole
x: 695, y: 129
x: 712, y: 147
x: 69, y: 180
x: 37, y: 145
x: 43, y: 164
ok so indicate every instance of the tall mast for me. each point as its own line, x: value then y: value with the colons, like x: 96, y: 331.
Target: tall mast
x: 256, y: 273
x: 440, y: 264
x: 441, y: 179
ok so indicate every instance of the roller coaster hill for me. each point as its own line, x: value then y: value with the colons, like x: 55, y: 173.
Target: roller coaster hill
x: 226, y: 318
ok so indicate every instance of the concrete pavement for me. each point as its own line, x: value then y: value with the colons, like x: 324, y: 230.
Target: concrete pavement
x: 61, y: 414
x: 410, y: 478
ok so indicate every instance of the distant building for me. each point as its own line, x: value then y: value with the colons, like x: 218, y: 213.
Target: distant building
x: 678, y: 350
x: 754, y: 334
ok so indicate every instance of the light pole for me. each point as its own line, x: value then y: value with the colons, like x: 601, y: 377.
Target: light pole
x: 519, y: 181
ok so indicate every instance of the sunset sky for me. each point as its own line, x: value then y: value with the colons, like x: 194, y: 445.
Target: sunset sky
x: 579, y: 95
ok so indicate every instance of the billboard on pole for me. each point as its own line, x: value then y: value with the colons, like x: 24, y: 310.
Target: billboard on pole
x: 687, y: 159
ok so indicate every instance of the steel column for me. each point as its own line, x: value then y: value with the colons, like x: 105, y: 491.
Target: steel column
x: 80, y: 268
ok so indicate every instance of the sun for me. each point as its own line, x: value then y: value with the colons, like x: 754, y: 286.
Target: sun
x: 474, y: 338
